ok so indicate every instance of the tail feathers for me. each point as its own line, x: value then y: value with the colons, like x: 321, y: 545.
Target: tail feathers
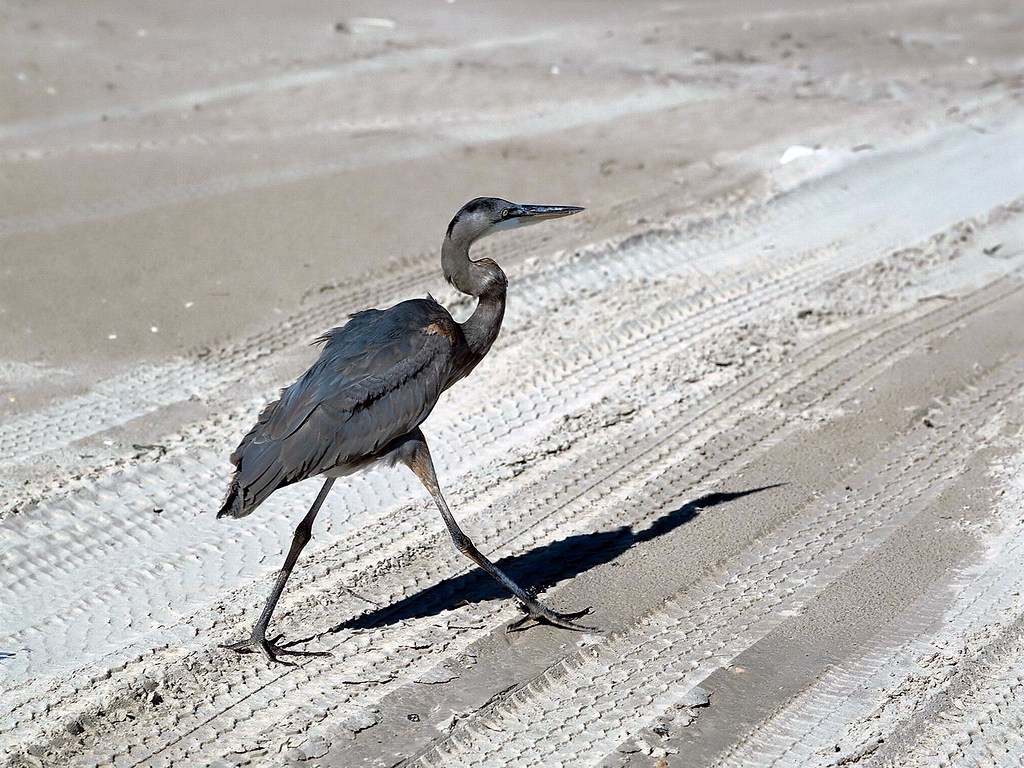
x: 240, y: 502
x: 258, y: 474
x: 246, y: 493
x: 233, y: 506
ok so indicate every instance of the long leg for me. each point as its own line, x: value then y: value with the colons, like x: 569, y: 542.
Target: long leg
x: 303, y: 533
x: 416, y: 456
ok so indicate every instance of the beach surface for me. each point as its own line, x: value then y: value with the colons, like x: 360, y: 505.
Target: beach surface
x: 760, y: 407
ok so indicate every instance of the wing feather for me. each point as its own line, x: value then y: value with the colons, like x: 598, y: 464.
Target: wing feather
x: 377, y: 378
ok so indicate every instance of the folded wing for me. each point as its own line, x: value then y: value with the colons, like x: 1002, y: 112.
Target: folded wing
x: 377, y: 378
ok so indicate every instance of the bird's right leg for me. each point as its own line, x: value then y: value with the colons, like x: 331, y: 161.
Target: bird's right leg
x: 416, y: 456
x: 257, y: 641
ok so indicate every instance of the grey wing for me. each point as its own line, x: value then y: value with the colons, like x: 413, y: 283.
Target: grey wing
x: 361, y: 419
x: 346, y: 408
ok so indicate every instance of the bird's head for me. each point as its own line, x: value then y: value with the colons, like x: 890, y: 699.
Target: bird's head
x: 486, y: 215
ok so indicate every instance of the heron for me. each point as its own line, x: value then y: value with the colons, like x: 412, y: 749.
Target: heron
x: 362, y: 402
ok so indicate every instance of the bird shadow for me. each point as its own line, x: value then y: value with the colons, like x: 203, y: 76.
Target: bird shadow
x: 541, y: 566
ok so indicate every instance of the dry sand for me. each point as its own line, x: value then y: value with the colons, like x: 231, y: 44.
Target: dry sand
x: 765, y: 417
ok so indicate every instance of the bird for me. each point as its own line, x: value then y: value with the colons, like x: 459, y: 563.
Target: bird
x: 362, y: 402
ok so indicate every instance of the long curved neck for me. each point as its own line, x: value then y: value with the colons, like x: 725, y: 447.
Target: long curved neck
x: 483, y: 279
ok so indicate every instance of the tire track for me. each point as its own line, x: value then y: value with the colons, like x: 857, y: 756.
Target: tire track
x: 172, y: 482
x: 139, y: 392
x: 76, y: 542
x: 656, y: 489
x: 984, y: 726
x: 924, y: 694
x: 594, y: 701
x: 524, y: 404
x: 270, y: 699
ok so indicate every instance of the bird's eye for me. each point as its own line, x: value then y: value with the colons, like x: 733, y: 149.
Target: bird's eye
x: 504, y: 213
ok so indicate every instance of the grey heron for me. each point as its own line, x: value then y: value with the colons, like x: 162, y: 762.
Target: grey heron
x: 376, y: 380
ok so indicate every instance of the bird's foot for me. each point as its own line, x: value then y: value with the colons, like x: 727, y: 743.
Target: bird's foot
x: 539, y: 613
x: 258, y: 643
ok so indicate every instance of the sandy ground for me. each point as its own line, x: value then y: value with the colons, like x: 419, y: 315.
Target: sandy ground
x: 760, y: 406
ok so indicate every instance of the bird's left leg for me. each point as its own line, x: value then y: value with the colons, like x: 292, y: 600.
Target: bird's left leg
x: 257, y: 640
x: 416, y: 456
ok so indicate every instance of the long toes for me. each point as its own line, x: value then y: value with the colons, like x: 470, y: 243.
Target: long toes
x: 541, y: 614
x: 270, y: 649
x: 564, y: 620
x: 260, y: 645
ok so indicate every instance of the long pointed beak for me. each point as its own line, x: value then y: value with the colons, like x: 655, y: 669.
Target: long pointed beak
x: 532, y: 213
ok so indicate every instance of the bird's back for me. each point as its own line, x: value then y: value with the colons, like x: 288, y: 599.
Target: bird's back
x: 377, y: 378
